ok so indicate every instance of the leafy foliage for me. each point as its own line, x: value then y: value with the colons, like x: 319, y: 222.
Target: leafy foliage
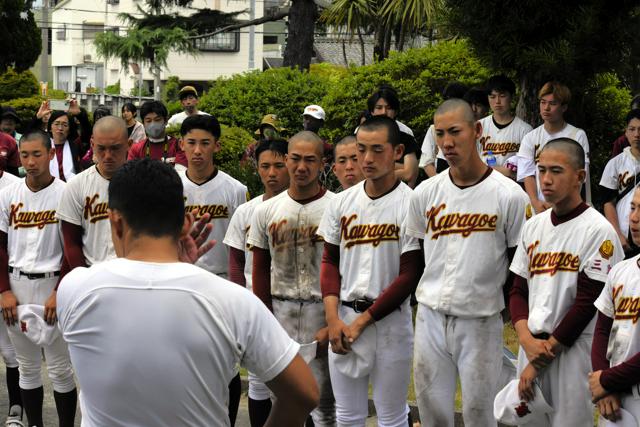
x: 113, y: 89
x: 21, y: 40
x: 171, y: 89
x: 25, y: 108
x: 15, y: 84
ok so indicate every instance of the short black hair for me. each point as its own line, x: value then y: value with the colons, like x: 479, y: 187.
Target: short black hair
x: 35, y: 134
x: 633, y: 114
x: 201, y: 121
x: 571, y: 147
x: 73, y: 127
x: 279, y: 145
x: 501, y: 84
x: 100, y: 112
x: 477, y: 95
x: 130, y: 106
x: 387, y: 93
x: 383, y: 122
x: 149, y: 195
x: 153, y: 107
x: 348, y: 139
x: 454, y: 90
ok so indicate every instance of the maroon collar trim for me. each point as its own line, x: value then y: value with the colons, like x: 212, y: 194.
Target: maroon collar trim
x: 557, y: 220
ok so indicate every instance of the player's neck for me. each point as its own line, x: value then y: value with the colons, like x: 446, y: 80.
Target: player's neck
x: 193, y: 113
x: 567, y: 205
x: 106, y: 176
x: 381, y: 186
x: 503, y: 119
x: 267, y: 193
x: 635, y: 152
x: 553, y: 127
x: 151, y: 249
x: 302, y: 193
x: 468, y: 174
x: 201, y: 175
x: 37, y: 183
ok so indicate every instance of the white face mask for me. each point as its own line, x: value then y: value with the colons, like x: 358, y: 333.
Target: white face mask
x: 154, y: 130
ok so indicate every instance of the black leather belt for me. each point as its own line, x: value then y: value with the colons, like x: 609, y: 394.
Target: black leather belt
x: 33, y: 276
x: 542, y: 336
x: 297, y: 300
x: 358, y: 305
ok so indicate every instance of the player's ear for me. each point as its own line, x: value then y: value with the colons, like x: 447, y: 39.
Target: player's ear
x: 582, y: 175
x: 117, y: 231
x: 398, y: 151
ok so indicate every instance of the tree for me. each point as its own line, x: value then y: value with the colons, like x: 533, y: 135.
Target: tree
x: 537, y: 40
x: 21, y: 40
x: 350, y: 17
x: 302, y: 24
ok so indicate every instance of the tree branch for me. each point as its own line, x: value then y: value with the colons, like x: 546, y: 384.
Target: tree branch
x: 269, y: 18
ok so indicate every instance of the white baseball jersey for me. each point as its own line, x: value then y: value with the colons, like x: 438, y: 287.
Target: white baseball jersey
x: 533, y: 143
x: 466, y: 234
x: 6, y: 179
x: 85, y: 203
x: 551, y: 257
x: 371, y: 238
x: 504, y: 143
x: 34, y: 235
x: 169, y: 327
x: 619, y: 174
x: 238, y: 233
x: 288, y: 229
x: 178, y: 118
x: 429, y: 148
x: 219, y: 197
x: 620, y: 301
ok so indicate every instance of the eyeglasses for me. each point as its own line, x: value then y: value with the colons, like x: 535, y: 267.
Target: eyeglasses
x: 60, y: 124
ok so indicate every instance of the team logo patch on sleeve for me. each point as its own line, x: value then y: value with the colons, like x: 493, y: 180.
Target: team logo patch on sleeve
x: 528, y: 211
x: 606, y: 249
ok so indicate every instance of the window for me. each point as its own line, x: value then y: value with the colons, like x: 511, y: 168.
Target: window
x: 223, y: 42
x: 270, y: 40
x: 89, y: 30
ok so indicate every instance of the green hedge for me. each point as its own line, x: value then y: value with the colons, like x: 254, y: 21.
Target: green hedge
x: 25, y: 107
x: 18, y: 85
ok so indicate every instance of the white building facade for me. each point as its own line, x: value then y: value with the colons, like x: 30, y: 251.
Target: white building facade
x: 77, y: 68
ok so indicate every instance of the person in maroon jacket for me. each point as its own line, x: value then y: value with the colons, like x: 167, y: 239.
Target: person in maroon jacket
x: 157, y: 145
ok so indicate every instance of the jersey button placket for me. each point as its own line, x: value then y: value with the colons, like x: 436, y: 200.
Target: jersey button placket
x: 446, y: 294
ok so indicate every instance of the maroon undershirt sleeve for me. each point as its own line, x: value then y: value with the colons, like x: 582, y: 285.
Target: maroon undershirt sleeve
x: 4, y: 263
x: 236, y: 266
x: 72, y: 236
x: 330, y: 271
x: 600, y: 343
x: 261, y: 275
x: 623, y: 376
x: 519, y: 299
x: 581, y: 312
x: 411, y: 267
x: 506, y: 289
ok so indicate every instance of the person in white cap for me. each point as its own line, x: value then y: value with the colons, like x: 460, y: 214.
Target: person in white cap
x: 313, y: 118
x: 615, y: 356
x: 31, y: 257
x: 165, y: 357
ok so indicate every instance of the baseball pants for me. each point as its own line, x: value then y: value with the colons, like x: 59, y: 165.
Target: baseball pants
x: 565, y: 384
x: 447, y: 347
x: 302, y: 320
x: 29, y: 355
x: 7, y: 350
x: 390, y: 375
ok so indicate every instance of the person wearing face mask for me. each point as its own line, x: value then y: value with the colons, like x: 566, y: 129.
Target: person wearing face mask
x: 157, y: 145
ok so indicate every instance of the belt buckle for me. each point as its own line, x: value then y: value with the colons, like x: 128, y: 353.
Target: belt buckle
x: 356, y: 305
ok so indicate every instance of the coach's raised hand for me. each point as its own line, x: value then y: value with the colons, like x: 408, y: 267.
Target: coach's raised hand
x: 194, y: 241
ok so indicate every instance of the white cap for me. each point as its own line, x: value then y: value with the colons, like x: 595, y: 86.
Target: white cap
x: 626, y: 420
x: 359, y: 361
x: 314, y: 111
x: 509, y: 409
x: 32, y: 324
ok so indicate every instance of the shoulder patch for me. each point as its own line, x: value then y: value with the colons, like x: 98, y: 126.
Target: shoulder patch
x: 606, y: 249
x: 528, y: 211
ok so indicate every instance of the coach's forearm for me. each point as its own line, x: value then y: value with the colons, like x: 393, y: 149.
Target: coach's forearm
x: 331, y: 308
x: 522, y: 329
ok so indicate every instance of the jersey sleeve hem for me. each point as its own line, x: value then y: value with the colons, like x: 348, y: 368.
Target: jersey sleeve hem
x: 282, y: 363
x: 68, y: 219
x: 415, y: 233
x: 234, y: 243
x: 257, y: 243
x: 601, y: 306
x: 519, y: 271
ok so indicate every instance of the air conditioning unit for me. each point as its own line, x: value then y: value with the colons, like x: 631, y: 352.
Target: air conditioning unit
x: 113, y: 1
x: 61, y: 35
x: 87, y: 58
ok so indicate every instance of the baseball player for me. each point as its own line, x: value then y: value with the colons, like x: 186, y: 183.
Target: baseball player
x: 31, y: 257
x: 369, y: 268
x: 7, y: 350
x: 172, y: 345
x: 346, y: 168
x: 275, y: 178
x: 616, y: 352
x: 83, y: 209
x: 469, y: 220
x: 562, y: 261
x: 554, y: 101
x: 502, y: 132
x: 620, y: 177
x: 287, y: 254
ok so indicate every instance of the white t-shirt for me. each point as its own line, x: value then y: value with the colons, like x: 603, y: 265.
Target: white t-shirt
x: 429, y: 148
x: 620, y: 301
x: 503, y: 142
x: 6, y: 179
x: 84, y: 202
x: 533, y: 143
x: 371, y: 238
x: 620, y: 173
x: 466, y: 234
x: 178, y: 118
x: 34, y: 234
x: 551, y: 257
x: 156, y: 344
x: 288, y: 229
x: 238, y: 233
x: 220, y: 197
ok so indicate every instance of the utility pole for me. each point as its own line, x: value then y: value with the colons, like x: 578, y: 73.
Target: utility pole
x: 44, y: 59
x: 252, y: 36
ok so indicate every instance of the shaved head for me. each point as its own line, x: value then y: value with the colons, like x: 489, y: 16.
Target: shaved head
x: 307, y: 136
x: 111, y: 124
x: 456, y: 104
x: 571, y: 148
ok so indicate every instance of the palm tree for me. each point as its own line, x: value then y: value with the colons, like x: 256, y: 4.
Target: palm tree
x: 410, y: 16
x: 351, y: 17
